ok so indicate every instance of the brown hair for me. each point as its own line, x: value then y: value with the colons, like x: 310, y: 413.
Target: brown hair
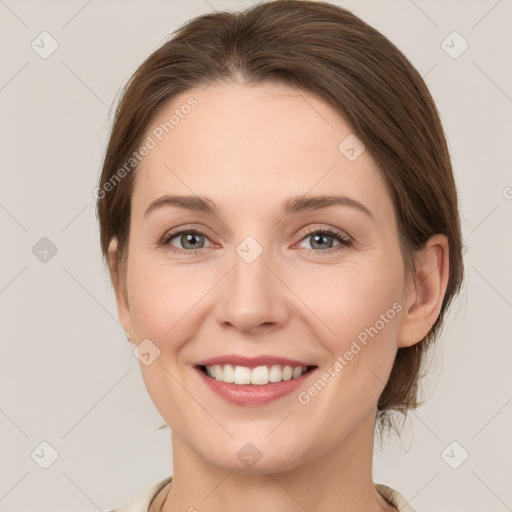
x: 325, y: 49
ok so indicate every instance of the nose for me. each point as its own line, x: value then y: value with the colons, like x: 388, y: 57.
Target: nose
x: 253, y: 295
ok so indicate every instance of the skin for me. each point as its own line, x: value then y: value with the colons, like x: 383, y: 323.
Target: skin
x: 249, y: 148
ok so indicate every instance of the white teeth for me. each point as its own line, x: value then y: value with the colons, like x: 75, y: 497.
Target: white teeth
x: 217, y: 371
x: 228, y: 374
x: 275, y: 373
x: 258, y: 376
x: 242, y: 375
x: 287, y: 372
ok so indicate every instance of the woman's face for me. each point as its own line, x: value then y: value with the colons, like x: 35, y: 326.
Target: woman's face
x: 255, y: 282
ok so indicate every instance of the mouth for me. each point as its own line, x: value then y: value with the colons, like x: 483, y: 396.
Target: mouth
x: 263, y: 375
x: 253, y: 385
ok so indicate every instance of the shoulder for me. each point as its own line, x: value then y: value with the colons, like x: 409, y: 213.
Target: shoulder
x: 141, y: 501
x: 394, y: 498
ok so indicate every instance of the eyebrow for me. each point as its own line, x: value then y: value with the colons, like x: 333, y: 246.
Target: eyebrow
x: 295, y: 204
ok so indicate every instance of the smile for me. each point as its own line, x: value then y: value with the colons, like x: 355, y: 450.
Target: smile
x: 258, y: 376
x: 253, y: 381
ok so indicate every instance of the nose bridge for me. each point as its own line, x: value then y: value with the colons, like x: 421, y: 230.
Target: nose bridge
x: 252, y: 295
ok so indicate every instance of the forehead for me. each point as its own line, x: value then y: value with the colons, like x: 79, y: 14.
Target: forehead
x: 251, y: 144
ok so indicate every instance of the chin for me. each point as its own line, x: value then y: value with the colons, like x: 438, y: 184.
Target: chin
x: 259, y: 457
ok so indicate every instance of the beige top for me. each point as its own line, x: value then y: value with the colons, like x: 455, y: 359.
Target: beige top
x: 141, y: 502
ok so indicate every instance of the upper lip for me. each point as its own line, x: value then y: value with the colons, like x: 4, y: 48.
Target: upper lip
x: 251, y: 362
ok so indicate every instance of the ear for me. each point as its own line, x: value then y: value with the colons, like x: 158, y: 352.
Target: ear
x: 119, y: 284
x: 427, y: 287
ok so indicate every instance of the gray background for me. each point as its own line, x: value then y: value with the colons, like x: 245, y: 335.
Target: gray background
x: 68, y: 376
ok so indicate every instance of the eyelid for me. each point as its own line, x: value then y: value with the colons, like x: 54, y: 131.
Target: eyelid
x: 169, y: 235
x: 345, y: 240
x: 329, y: 230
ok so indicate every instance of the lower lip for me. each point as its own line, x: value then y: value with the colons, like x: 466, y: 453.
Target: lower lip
x: 250, y: 394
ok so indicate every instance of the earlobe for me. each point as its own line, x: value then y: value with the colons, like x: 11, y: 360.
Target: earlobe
x: 423, y: 302
x: 118, y: 282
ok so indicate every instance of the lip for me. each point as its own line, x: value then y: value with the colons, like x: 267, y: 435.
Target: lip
x: 251, y: 394
x: 251, y: 362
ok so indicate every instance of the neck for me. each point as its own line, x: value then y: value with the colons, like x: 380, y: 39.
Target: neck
x: 339, y: 480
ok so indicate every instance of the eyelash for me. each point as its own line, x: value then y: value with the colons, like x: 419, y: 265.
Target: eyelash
x: 344, y: 240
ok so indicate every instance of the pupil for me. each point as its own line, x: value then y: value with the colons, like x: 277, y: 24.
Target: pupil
x: 189, y: 237
x: 318, y: 237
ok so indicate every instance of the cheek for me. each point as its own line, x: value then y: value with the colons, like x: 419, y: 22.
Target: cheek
x: 162, y: 303
x: 165, y: 298
x: 155, y: 299
x: 348, y: 299
x: 359, y: 309
x: 345, y: 298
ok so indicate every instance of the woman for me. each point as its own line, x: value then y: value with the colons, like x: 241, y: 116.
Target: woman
x: 239, y: 148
